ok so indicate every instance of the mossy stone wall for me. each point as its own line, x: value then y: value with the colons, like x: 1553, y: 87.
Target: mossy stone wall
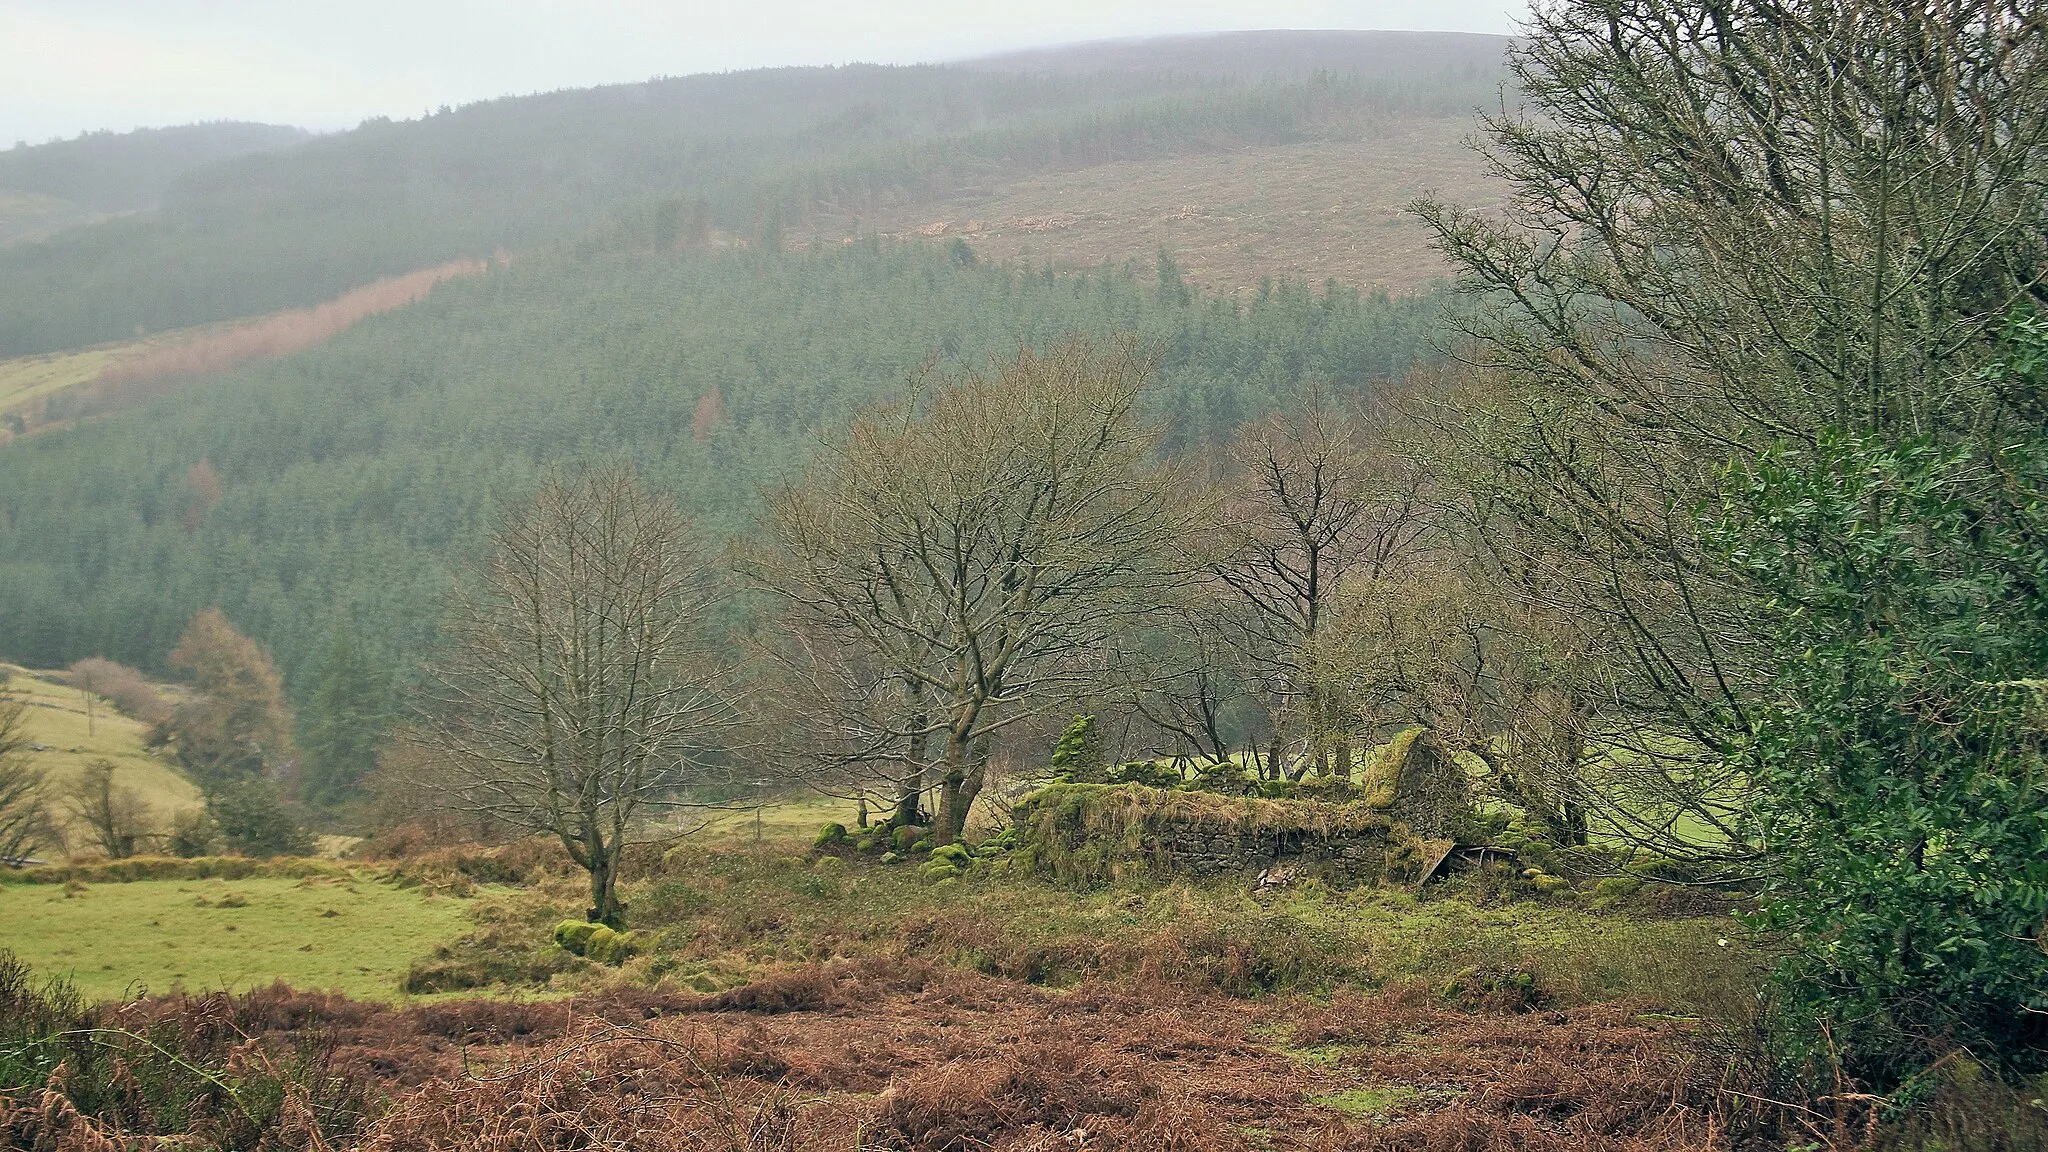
x: 1093, y: 833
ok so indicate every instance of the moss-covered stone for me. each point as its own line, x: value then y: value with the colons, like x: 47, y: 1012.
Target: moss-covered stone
x: 574, y: 935
x: 1088, y: 834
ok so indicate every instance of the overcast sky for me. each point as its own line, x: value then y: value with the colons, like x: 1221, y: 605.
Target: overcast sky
x: 68, y: 66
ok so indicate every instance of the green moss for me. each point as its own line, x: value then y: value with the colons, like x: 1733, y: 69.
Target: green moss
x: 1376, y: 1103
x: 1317, y: 1056
x: 614, y: 948
x: 575, y: 935
x: 1086, y: 835
x: 829, y: 835
x: 1381, y: 776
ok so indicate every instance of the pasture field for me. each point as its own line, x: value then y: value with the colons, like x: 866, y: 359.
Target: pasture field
x: 64, y: 739
x: 352, y: 933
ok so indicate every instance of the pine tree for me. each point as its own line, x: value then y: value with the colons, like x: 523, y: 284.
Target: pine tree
x: 342, y: 722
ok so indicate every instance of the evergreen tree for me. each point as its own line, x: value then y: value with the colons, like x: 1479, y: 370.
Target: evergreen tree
x: 345, y: 716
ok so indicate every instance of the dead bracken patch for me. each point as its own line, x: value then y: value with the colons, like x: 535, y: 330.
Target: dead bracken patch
x: 874, y: 1055
x: 839, y: 1058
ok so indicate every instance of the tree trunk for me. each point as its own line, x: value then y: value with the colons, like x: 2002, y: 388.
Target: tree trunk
x: 970, y: 788
x: 952, y: 787
x: 1343, y: 769
x: 604, y: 878
x: 909, y: 794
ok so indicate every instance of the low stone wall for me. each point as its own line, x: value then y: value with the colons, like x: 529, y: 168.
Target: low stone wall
x: 1092, y: 833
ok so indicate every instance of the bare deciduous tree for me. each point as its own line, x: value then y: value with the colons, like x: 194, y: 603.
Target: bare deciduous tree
x: 115, y: 819
x: 577, y: 690
x: 1319, y: 495
x: 979, y: 550
x: 24, y: 817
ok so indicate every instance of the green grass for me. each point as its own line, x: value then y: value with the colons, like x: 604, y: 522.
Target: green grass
x: 350, y: 934
x: 1373, y: 1103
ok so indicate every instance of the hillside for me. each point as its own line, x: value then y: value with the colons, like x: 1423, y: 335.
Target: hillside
x: 737, y: 157
x: 342, y: 482
x: 46, y: 188
x: 704, y: 275
x: 1330, y: 208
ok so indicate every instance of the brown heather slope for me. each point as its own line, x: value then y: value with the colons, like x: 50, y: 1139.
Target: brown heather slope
x: 1328, y: 208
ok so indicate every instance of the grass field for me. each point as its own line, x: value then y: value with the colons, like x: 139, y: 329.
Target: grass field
x: 69, y: 740
x: 352, y: 935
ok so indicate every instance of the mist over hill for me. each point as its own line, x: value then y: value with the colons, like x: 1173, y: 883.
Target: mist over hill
x: 782, y: 151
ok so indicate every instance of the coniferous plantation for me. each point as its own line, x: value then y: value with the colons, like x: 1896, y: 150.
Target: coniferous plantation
x: 685, y: 670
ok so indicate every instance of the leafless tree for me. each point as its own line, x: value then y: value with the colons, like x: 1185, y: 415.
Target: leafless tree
x: 1320, y: 495
x: 577, y: 689
x: 980, y: 548
x: 24, y: 816
x: 116, y: 819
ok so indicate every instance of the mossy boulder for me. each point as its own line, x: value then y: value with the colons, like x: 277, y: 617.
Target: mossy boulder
x: 906, y: 837
x: 953, y: 854
x: 614, y: 948
x: 939, y: 870
x: 829, y: 836
x: 574, y: 935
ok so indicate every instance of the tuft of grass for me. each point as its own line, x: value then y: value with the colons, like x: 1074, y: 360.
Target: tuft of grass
x: 1376, y: 1103
x: 352, y: 935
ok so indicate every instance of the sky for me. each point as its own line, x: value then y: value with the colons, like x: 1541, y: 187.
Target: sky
x: 69, y: 66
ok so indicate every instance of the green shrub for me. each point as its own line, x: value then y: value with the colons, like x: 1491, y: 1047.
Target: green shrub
x: 253, y: 820
x: 193, y: 834
x: 1900, y: 747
